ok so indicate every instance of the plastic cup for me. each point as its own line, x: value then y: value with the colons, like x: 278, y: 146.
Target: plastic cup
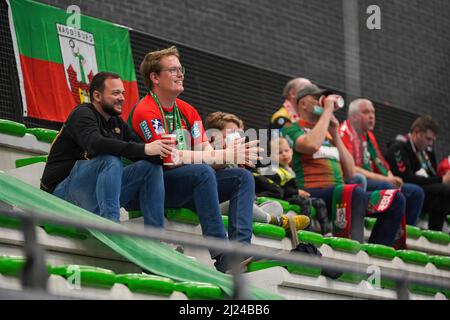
x: 168, y: 161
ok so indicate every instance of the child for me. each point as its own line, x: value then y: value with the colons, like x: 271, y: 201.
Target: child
x: 284, y: 178
x: 227, y: 127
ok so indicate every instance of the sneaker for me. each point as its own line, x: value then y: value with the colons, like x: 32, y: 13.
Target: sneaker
x: 273, y: 208
x: 301, y: 222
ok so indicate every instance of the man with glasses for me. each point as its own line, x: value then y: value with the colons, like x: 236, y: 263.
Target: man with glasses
x: 192, y: 182
x: 411, y: 157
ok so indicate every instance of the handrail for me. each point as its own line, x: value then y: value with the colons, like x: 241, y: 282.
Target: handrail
x: 401, y: 277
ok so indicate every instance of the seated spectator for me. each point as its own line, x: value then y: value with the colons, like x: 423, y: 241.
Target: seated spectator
x: 284, y: 177
x: 224, y: 127
x: 84, y: 165
x: 287, y: 114
x: 192, y: 182
x: 321, y: 162
x: 411, y: 157
x: 357, y: 134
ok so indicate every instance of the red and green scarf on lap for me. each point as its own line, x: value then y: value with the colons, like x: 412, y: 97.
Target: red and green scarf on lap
x: 379, y: 202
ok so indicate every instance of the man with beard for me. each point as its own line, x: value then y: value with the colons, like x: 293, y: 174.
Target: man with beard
x: 85, y: 167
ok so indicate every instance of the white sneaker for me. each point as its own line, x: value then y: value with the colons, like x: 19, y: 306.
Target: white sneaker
x: 273, y: 208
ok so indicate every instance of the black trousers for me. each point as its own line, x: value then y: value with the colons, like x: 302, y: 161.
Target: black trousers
x: 437, y: 203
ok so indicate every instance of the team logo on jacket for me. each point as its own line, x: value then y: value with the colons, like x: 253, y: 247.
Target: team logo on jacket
x: 145, y: 130
x: 157, y: 126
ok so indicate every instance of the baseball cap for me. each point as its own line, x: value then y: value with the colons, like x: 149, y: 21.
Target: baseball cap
x: 311, y: 90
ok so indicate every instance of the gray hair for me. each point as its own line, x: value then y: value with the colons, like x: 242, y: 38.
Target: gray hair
x: 300, y: 83
x: 354, y: 105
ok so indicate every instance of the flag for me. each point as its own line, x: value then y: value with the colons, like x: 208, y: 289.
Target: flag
x: 58, y: 54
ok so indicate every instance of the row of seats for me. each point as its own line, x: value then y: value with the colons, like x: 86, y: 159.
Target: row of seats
x: 272, y: 232
x: 337, y: 247
x: 19, y: 130
x: 90, y: 276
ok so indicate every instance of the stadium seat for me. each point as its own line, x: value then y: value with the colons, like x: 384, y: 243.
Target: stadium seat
x: 149, y: 284
x: 44, y: 135
x: 30, y: 160
x: 12, y: 128
x: 379, y: 251
x: 343, y: 244
x: 199, y: 290
x: 89, y: 276
x: 412, y: 256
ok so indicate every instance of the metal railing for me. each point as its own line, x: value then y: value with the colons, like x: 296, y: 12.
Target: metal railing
x: 35, y: 274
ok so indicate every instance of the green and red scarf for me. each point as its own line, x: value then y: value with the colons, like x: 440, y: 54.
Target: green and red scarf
x: 379, y: 202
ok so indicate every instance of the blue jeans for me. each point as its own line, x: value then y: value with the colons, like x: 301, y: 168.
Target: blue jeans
x: 200, y: 188
x: 413, y: 193
x: 387, y: 224
x: 102, y: 185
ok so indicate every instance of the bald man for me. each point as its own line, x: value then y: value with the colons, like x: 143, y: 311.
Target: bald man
x: 356, y: 133
x: 287, y: 114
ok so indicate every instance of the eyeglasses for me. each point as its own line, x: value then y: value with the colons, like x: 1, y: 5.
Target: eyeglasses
x: 174, y: 70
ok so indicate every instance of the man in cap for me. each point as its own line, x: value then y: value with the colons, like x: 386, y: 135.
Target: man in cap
x: 321, y: 162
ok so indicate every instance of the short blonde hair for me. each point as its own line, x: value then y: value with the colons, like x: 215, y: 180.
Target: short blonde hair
x: 218, y: 120
x: 277, y: 142
x: 152, y: 63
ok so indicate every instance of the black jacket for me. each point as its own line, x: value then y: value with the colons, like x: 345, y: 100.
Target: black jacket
x: 87, y: 134
x: 405, y: 163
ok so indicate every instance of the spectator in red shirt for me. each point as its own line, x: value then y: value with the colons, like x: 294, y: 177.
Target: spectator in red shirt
x: 192, y: 182
x: 356, y: 133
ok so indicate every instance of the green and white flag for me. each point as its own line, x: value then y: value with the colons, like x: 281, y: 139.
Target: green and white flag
x: 57, y: 58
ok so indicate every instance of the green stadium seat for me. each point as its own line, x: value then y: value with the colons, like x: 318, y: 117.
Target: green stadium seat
x: 412, y: 256
x: 225, y: 221
x: 379, y: 251
x: 183, y: 215
x: 436, y: 236
x: 425, y: 290
x: 199, y: 290
x: 10, y: 222
x: 30, y: 160
x: 310, y: 237
x: 413, y: 232
x: 292, y: 268
x: 343, y: 244
x: 369, y: 223
x: 11, y: 266
x: 44, y: 135
x: 65, y: 231
x: 148, y: 284
x: 89, y: 276
x: 351, y: 277
x: 12, y: 128
x: 267, y: 230
x: 440, y: 262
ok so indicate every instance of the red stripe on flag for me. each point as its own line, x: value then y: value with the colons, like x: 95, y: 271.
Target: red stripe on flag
x: 48, y: 95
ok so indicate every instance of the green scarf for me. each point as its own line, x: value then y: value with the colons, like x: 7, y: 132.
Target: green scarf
x: 172, y: 122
